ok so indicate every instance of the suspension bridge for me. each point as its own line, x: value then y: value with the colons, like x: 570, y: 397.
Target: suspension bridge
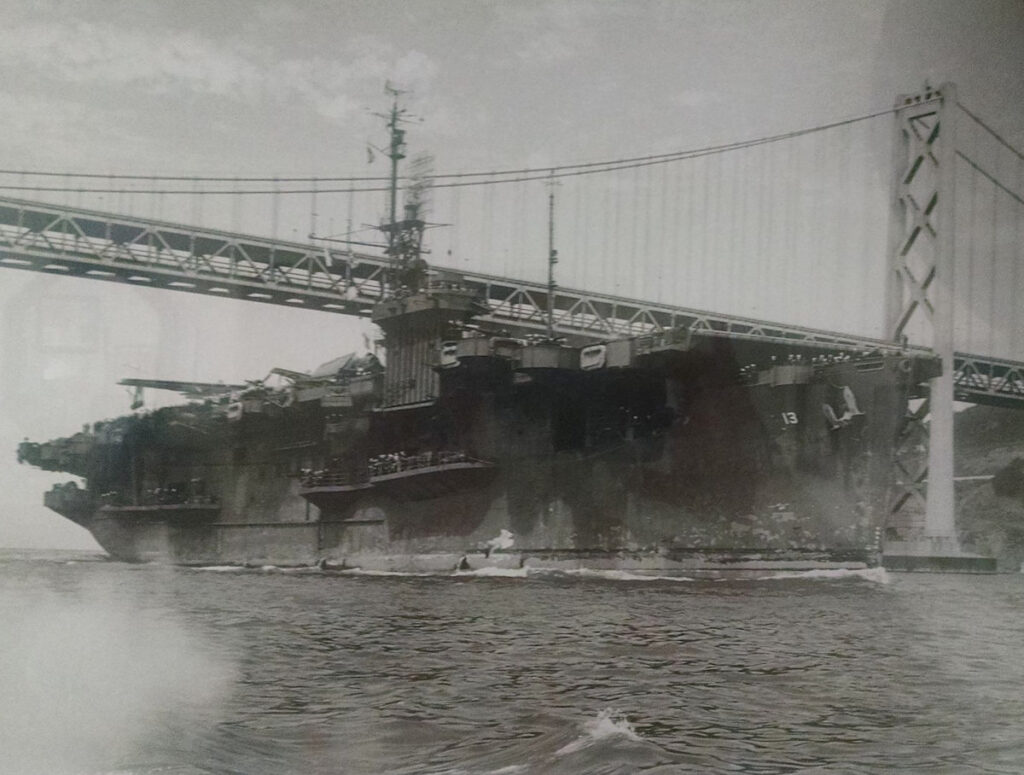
x: 897, y: 230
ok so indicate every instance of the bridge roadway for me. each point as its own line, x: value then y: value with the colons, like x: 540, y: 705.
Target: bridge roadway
x: 84, y: 243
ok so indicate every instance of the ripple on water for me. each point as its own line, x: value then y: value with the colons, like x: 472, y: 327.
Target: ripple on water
x: 567, y: 673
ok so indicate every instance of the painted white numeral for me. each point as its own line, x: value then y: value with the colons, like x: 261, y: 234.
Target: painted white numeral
x: 789, y: 418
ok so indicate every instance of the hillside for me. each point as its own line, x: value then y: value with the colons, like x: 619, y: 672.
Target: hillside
x: 990, y: 514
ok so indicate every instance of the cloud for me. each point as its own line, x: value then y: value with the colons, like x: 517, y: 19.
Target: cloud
x: 162, y: 62
x: 553, y: 32
x: 43, y: 130
x: 87, y: 52
x: 414, y: 70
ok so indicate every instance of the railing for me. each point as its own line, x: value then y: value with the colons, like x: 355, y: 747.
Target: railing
x: 397, y: 462
x: 158, y: 496
x: 382, y: 465
x: 333, y: 478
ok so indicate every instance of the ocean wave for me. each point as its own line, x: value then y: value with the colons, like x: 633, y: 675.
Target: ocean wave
x: 622, y: 575
x: 157, y: 769
x: 584, y: 573
x: 292, y: 569
x: 398, y: 573
x: 607, y: 724
x: 219, y: 568
x: 875, y: 575
x: 493, y: 571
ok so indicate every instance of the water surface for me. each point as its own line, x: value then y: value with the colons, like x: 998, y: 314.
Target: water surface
x: 109, y: 667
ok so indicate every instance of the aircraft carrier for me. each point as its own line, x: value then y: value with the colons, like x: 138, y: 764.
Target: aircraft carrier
x: 467, y: 446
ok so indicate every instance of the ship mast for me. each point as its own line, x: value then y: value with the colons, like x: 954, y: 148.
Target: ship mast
x: 396, y: 152
x: 405, y: 235
x: 552, y: 256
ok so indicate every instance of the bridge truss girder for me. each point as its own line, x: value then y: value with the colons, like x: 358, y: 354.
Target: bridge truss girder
x: 70, y: 241
x: 75, y: 242
x: 991, y: 381
x: 101, y: 246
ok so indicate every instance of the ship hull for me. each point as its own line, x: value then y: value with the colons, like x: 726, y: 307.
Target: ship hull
x: 743, y: 476
x: 598, y: 515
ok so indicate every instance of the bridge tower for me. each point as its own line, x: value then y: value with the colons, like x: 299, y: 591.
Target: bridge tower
x: 919, y: 304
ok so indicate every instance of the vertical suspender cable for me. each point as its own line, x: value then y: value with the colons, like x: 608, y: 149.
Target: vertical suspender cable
x: 671, y: 250
x: 453, y: 242
x: 661, y: 226
x: 575, y: 249
x: 841, y: 226
x: 605, y: 242
x: 635, y: 253
x: 649, y: 262
x: 735, y: 224
x: 642, y: 203
x: 552, y: 258
x: 312, y: 207
x: 823, y: 278
x: 993, y: 269
x: 275, y: 205
x: 702, y: 263
x: 772, y: 219
x: 274, y: 214
x: 740, y: 225
x: 484, y: 252
x: 616, y: 255
x: 715, y: 230
x: 236, y: 210
x: 722, y: 250
x: 688, y: 184
x: 1015, y: 331
x: 792, y: 221
x: 589, y: 193
x: 739, y: 228
x: 968, y: 303
x: 760, y: 253
x: 517, y: 234
x: 202, y: 206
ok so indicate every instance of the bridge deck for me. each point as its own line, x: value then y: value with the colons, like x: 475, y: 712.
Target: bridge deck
x: 103, y: 246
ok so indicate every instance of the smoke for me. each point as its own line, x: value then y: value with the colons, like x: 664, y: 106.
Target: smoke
x: 87, y: 684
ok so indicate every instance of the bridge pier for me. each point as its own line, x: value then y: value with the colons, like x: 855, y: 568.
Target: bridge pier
x: 920, y: 301
x: 940, y: 519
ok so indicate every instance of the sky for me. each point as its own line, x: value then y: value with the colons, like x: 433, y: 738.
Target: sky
x: 250, y: 88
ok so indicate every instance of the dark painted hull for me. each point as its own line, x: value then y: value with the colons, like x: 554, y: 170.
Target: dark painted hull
x: 671, y: 468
